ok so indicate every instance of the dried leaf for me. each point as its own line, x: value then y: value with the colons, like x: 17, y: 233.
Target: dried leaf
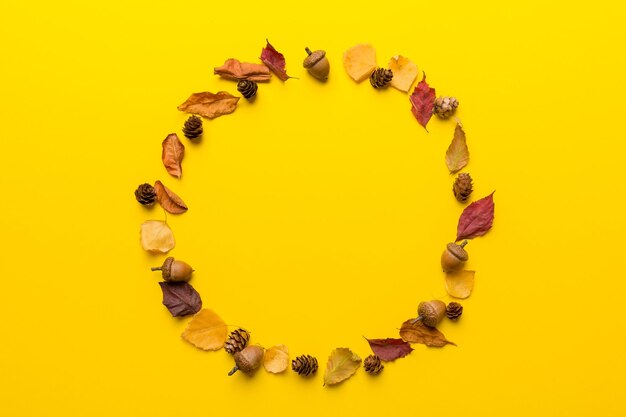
x: 404, y: 73
x: 156, y: 236
x: 180, y: 298
x: 389, y: 349
x: 206, y: 330
x: 173, y: 153
x: 235, y: 70
x: 274, y: 60
x: 460, y: 284
x: 457, y: 155
x: 170, y: 202
x: 476, y: 219
x: 210, y: 105
x: 423, y: 102
x: 359, y: 61
x: 276, y: 359
x: 342, y: 363
x: 418, y: 332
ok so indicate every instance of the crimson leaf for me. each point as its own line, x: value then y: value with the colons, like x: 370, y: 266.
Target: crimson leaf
x: 476, y: 219
x: 180, y: 298
x: 274, y: 61
x: 423, y: 102
x: 390, y: 349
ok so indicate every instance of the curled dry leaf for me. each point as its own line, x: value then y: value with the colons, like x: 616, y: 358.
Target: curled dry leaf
x: 275, y: 61
x: 173, y: 153
x: 476, y: 219
x: 457, y: 155
x: 342, y: 363
x: 360, y: 61
x: 460, y: 284
x: 156, y: 236
x: 404, y: 73
x: 423, y: 102
x: 170, y: 202
x: 180, y: 298
x: 235, y: 70
x: 206, y: 330
x: 418, y: 332
x: 276, y: 359
x: 389, y: 349
x: 210, y: 105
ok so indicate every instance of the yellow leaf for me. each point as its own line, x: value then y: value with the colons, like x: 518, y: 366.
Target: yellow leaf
x: 276, y: 359
x: 404, y: 73
x: 156, y: 236
x: 342, y: 363
x: 460, y: 284
x: 206, y: 330
x: 359, y: 61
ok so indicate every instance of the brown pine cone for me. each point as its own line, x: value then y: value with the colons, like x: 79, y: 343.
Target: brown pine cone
x: 247, y: 88
x: 445, y: 106
x: 373, y: 365
x: 304, y: 365
x: 462, y: 187
x: 193, y: 127
x: 237, y: 340
x: 454, y: 310
x: 381, y: 77
x: 145, y: 194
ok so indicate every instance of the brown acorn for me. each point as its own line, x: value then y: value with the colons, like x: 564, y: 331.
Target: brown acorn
x: 317, y: 64
x: 454, y: 257
x: 431, y: 312
x: 173, y: 270
x: 248, y: 360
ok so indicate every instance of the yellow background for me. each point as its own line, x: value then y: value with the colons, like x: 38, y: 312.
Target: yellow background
x: 317, y: 213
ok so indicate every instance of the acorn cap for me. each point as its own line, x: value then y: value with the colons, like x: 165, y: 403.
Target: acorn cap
x: 166, y: 268
x: 458, y: 251
x: 313, y: 58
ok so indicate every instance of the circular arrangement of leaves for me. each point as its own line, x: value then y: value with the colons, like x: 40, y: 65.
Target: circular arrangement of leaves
x: 206, y: 330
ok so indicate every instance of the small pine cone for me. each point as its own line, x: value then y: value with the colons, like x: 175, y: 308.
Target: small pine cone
x: 381, y: 77
x: 237, y: 340
x: 304, y: 365
x: 454, y: 310
x: 462, y: 187
x: 247, y: 88
x: 445, y: 106
x: 193, y: 127
x: 372, y: 365
x: 145, y: 194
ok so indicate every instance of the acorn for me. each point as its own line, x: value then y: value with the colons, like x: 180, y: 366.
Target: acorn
x: 247, y: 360
x: 174, y: 270
x: 430, y: 312
x: 317, y: 64
x: 454, y: 257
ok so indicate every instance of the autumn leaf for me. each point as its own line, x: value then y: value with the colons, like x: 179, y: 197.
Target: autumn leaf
x: 156, y: 236
x: 360, y: 61
x: 389, y: 349
x: 342, y: 363
x: 170, y: 202
x: 180, y: 298
x: 404, y: 73
x: 457, y: 155
x: 460, y: 284
x: 276, y: 359
x: 235, y: 70
x: 172, y: 155
x: 476, y: 219
x: 423, y: 102
x: 418, y: 332
x: 206, y: 330
x: 274, y: 60
x: 210, y: 105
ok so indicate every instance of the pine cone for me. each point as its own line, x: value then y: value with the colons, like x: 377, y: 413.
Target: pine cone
x: 247, y: 88
x: 193, y: 127
x: 381, y: 77
x: 454, y: 310
x: 304, y: 365
x: 145, y: 194
x: 237, y: 340
x: 372, y: 365
x: 462, y: 187
x: 445, y: 106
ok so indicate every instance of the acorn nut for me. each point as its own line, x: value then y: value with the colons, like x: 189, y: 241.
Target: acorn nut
x: 174, y: 270
x: 317, y: 64
x: 247, y: 360
x: 430, y: 312
x: 454, y: 257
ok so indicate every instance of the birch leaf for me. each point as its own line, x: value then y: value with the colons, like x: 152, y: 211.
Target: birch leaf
x: 460, y: 284
x: 457, y: 155
x: 342, y: 363
x: 156, y: 236
x: 206, y: 330
x: 172, y: 155
x: 276, y: 359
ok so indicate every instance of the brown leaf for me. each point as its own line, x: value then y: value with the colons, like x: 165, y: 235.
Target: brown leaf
x: 210, y: 105
x: 276, y: 359
x: 156, y: 236
x: 389, y: 349
x: 180, y: 298
x: 418, y: 332
x: 476, y: 219
x: 457, y: 155
x: 173, y: 153
x: 342, y: 363
x: 275, y: 61
x: 235, y: 70
x: 169, y: 200
x: 206, y: 330
x: 404, y: 73
x: 460, y: 284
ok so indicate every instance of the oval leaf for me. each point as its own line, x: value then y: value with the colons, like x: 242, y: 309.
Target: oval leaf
x: 170, y: 202
x: 390, y: 349
x: 423, y: 102
x: 156, y: 236
x: 276, y: 359
x: 180, y: 298
x: 457, y: 155
x: 210, y: 105
x: 476, y: 219
x: 206, y: 330
x: 460, y: 284
x: 342, y: 363
x: 172, y: 156
x: 418, y: 332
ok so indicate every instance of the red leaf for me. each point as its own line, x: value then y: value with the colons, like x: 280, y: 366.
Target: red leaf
x: 476, y: 219
x: 180, y: 298
x: 423, y: 102
x: 275, y: 61
x: 390, y: 349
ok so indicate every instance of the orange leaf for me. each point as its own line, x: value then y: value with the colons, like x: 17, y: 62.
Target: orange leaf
x: 235, y: 70
x: 460, y: 284
x: 169, y: 200
x: 418, y: 332
x: 156, y: 236
x: 404, y: 73
x: 276, y: 359
x: 173, y: 153
x: 206, y: 330
x: 457, y: 155
x: 210, y: 105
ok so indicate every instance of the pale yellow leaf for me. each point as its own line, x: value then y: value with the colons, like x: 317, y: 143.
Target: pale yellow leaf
x: 206, y: 330
x: 156, y: 236
x: 460, y: 284
x: 404, y: 73
x: 342, y: 363
x: 359, y: 61
x: 276, y: 359
x: 457, y: 155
